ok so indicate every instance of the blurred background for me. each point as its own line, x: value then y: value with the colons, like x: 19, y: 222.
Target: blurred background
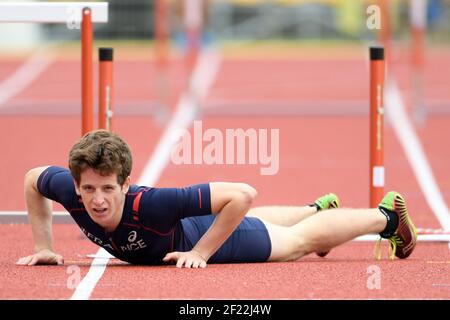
x: 142, y: 30
x: 226, y: 20
x: 288, y: 64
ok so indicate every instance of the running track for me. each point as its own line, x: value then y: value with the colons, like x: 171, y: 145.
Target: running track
x: 321, y: 150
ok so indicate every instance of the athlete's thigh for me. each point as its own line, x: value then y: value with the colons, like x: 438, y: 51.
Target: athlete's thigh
x: 249, y: 242
x: 286, y: 245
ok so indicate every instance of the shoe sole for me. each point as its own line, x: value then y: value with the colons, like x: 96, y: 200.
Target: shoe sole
x: 406, y: 227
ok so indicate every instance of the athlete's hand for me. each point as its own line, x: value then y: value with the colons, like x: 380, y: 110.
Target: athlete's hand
x: 188, y: 259
x: 44, y: 256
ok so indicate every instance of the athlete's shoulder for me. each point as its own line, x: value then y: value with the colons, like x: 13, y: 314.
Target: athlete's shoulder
x: 52, y: 170
x: 56, y: 183
x: 136, y: 193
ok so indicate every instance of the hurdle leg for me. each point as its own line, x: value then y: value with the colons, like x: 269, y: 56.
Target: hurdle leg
x: 376, y: 125
x: 106, y: 89
x: 87, y: 107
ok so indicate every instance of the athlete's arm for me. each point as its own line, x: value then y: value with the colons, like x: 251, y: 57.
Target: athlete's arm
x: 40, y: 217
x: 231, y: 201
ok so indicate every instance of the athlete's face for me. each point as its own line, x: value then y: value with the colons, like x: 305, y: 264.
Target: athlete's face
x: 102, y: 197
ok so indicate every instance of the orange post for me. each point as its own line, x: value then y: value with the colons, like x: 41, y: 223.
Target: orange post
x: 418, y: 21
x: 87, y: 107
x: 106, y: 89
x: 161, y: 32
x: 162, y: 46
x: 418, y: 34
x: 193, y: 19
x: 417, y: 48
x: 376, y: 125
x: 385, y: 35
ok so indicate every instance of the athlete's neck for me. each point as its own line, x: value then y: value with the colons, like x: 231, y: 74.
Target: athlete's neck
x: 116, y: 218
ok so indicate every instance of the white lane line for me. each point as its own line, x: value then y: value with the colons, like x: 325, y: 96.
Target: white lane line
x: 420, y: 237
x: 395, y: 110
x: 96, y: 270
x: 204, y: 74
x: 25, y: 75
x: 202, y: 79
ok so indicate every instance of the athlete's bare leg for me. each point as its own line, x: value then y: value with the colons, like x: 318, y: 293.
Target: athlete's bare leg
x: 322, y: 231
x: 282, y: 215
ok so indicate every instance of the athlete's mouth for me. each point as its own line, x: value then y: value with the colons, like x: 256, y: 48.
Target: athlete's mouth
x: 99, y: 210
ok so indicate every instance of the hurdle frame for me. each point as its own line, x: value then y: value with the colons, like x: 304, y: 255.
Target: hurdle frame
x: 78, y: 13
x: 418, y: 25
x: 377, y: 174
x: 106, y: 89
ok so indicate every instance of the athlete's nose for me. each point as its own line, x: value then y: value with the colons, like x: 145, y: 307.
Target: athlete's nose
x: 98, y: 199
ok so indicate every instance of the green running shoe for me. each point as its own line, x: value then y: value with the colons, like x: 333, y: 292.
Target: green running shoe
x: 404, y: 239
x: 328, y: 201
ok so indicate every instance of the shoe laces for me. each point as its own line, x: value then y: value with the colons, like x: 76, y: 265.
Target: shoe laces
x: 377, y: 250
x: 394, y: 241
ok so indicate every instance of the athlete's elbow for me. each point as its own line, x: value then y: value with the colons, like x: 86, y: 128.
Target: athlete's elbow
x: 252, y: 192
x: 30, y: 179
x: 247, y: 194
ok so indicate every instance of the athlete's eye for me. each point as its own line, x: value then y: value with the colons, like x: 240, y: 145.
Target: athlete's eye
x: 109, y: 188
x: 88, y: 188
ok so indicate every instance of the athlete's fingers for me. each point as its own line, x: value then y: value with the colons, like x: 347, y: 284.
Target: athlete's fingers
x: 59, y: 260
x: 171, y: 256
x: 21, y: 261
x: 180, y: 262
x: 34, y: 260
x: 188, y: 263
x: 24, y: 260
x: 195, y: 264
x: 203, y: 264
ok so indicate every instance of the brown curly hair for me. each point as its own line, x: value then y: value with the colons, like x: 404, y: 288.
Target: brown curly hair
x: 104, y: 152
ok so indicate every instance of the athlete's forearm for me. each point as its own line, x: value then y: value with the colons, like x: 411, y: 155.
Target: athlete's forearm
x: 39, y: 213
x: 225, y: 223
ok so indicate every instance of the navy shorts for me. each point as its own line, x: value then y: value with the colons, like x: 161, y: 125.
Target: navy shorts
x: 250, y: 241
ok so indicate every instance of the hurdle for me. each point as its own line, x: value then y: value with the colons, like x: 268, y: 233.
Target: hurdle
x: 162, y: 53
x: 193, y: 22
x: 377, y: 170
x: 84, y: 13
x: 106, y: 89
x: 376, y: 125
x: 385, y: 33
x: 418, y: 18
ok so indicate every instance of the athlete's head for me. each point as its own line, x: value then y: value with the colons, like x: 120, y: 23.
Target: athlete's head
x: 102, y: 151
x: 100, y: 163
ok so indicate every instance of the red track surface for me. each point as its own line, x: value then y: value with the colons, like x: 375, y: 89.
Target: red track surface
x: 318, y: 154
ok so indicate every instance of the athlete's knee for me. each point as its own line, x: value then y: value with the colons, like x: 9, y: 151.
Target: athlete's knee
x: 248, y: 192
x: 313, y: 243
x: 304, y: 243
x: 301, y: 247
x: 292, y: 248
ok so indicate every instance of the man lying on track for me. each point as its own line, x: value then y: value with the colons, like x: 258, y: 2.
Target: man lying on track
x: 190, y: 226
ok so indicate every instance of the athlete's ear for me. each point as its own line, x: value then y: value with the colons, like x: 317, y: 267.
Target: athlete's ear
x: 77, y: 188
x: 126, y: 185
